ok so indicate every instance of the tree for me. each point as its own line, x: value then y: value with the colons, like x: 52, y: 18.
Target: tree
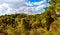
x: 26, y: 24
x: 49, y: 20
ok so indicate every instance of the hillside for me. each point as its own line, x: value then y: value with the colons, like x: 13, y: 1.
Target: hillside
x: 39, y: 23
x: 47, y: 23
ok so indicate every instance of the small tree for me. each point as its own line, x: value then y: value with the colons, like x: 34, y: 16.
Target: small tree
x: 49, y: 20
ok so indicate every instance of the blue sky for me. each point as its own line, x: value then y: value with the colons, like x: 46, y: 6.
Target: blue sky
x: 22, y: 6
x: 35, y: 0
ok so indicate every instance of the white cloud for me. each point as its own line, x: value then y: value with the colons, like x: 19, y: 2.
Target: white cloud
x: 12, y: 1
x: 26, y: 10
x: 20, y: 6
x: 28, y: 3
x: 40, y: 7
x: 39, y: 3
x: 3, y: 8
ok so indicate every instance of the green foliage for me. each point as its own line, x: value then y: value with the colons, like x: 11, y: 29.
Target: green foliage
x: 47, y: 23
